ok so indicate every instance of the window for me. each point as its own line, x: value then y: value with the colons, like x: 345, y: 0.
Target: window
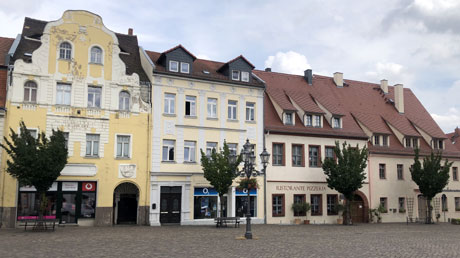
x: 190, y: 105
x: 408, y: 141
x: 170, y: 103
x: 66, y: 138
x: 235, y: 75
x: 94, y: 97
x: 313, y: 156
x: 457, y: 203
x: 332, y: 201
x: 212, y: 108
x: 411, y: 142
x: 232, y: 108
x: 241, y: 204
x: 384, y: 204
x: 437, y: 144
x: 65, y: 51
x: 317, y: 121
x: 385, y: 140
x: 245, y: 76
x: 382, y: 172
x: 233, y: 147
x: 168, y: 150
x: 173, y: 66
x: 316, y: 204
x: 400, y: 171
x: 308, y: 120
x: 189, y: 151
x: 455, y: 173
x: 278, y: 154
x: 278, y: 205
x: 205, y: 206
x: 63, y: 93
x: 209, y: 147
x: 329, y: 152
x: 30, y: 92
x: 288, y: 118
x: 92, y: 145
x: 250, y: 107
x: 33, y: 133
x: 299, y: 198
x: 376, y: 139
x: 123, y: 101
x: 123, y: 146
x: 336, y: 122
x: 414, y: 142
x: 184, y: 67
x: 96, y: 55
x: 444, y: 203
x: 402, y: 204
x: 440, y: 144
x: 297, y: 155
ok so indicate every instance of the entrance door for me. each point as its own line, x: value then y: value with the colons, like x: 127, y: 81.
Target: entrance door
x: 422, y: 207
x: 357, y: 210
x: 69, y: 208
x: 170, y: 204
x: 127, y: 209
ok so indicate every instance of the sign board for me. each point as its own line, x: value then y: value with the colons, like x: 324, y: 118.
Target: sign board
x: 88, y: 186
x: 69, y: 186
x: 32, y: 189
x: 244, y: 192
x: 205, y: 191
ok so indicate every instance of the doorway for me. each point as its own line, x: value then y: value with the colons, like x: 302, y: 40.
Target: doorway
x: 422, y: 207
x: 126, y: 197
x: 357, y: 209
x: 170, y: 204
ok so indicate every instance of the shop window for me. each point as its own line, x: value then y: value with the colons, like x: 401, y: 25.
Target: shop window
x: 382, y: 172
x: 316, y: 201
x: 299, y: 198
x: 278, y: 205
x: 332, y: 202
x: 205, y: 207
x: 28, y: 205
x: 278, y: 154
x: 241, y: 205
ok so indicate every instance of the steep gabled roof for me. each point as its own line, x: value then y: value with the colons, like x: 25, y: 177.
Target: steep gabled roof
x: 233, y: 60
x: 174, y: 48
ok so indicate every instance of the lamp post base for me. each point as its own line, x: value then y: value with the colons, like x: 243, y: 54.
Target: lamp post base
x: 248, y: 235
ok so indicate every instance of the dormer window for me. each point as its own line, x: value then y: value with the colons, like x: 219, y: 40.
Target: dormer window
x: 411, y: 142
x: 235, y: 75
x: 308, y: 120
x: 173, y: 66
x: 336, y: 122
x: 288, y: 118
x: 317, y: 121
x: 384, y: 140
x: 380, y: 140
x: 245, y: 76
x: 184, y: 67
x: 437, y: 144
x: 376, y: 139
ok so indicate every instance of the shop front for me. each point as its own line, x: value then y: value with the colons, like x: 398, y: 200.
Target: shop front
x: 68, y: 202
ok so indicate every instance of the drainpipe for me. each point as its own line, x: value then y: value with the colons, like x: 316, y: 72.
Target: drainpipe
x: 369, y: 178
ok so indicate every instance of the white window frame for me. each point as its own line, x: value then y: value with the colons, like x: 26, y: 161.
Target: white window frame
x: 336, y: 122
x: 170, y: 66
x: 30, y: 86
x: 66, y: 139
x: 65, y: 53
x: 94, y: 92
x: 170, y: 145
x: 92, y: 143
x: 123, y: 143
x: 233, y: 147
x: 232, y: 110
x: 291, y: 121
x: 124, y: 101
x: 191, y: 146
x: 250, y: 111
x: 170, y: 103
x: 308, y: 120
x: 245, y: 76
x: 63, y: 90
x: 236, y: 72
x: 209, y: 147
x: 96, y: 57
x: 212, y: 107
x: 192, y: 100
x: 184, y: 67
x: 317, y: 121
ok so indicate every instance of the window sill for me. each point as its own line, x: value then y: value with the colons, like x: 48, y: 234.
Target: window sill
x: 65, y: 59
x: 169, y: 115
x: 298, y: 166
x: 212, y: 118
x: 276, y: 165
x: 190, y: 162
x: 190, y: 117
x: 232, y: 120
x: 91, y: 157
x: 250, y: 121
x: 316, y: 214
x: 332, y: 214
x: 92, y: 63
x: 274, y: 215
x: 122, y: 158
x: 169, y: 161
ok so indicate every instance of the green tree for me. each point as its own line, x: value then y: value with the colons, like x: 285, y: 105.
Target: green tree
x: 346, y: 174
x: 219, y: 172
x: 35, y: 161
x: 431, y: 178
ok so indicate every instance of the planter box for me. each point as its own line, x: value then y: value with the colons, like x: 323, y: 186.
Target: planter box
x: 455, y: 221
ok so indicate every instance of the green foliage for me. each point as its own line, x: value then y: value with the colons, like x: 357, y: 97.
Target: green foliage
x: 432, y: 177
x: 301, y: 207
x: 218, y: 170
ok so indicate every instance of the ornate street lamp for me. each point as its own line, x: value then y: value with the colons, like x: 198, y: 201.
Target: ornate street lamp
x: 248, y: 170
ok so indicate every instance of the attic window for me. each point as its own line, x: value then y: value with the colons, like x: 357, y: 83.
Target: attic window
x: 184, y: 67
x: 308, y: 120
x: 411, y: 142
x: 235, y: 75
x: 288, y: 118
x: 245, y: 76
x: 173, y: 66
x: 336, y: 123
x: 205, y: 71
x: 437, y: 144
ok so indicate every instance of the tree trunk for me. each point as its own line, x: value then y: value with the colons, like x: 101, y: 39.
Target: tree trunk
x: 42, y: 200
x: 429, y: 211
x: 347, y: 212
x: 221, y: 197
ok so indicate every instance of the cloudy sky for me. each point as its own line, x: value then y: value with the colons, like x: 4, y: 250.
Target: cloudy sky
x: 413, y: 42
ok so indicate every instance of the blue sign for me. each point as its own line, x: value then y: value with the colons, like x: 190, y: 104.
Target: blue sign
x: 244, y: 192
x: 205, y: 191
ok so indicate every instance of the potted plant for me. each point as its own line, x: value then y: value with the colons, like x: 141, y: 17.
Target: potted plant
x: 305, y: 209
x: 339, y: 210
x: 402, y: 210
x: 297, y: 208
x: 248, y: 184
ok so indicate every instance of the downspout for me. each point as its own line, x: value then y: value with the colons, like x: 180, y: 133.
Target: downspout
x: 149, y: 149
x: 369, y: 178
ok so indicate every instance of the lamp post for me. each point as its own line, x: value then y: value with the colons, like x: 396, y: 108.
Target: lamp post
x: 248, y: 171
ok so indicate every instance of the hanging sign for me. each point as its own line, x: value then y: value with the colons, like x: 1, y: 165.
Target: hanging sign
x: 88, y: 186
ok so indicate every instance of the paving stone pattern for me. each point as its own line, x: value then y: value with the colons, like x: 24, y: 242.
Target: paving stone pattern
x: 364, y: 240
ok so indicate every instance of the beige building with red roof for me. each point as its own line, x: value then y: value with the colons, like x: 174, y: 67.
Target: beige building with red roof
x: 305, y: 115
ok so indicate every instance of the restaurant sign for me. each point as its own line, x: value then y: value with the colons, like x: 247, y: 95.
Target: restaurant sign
x: 303, y: 188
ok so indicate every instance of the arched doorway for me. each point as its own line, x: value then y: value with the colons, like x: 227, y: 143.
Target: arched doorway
x: 359, y: 208
x: 125, y: 200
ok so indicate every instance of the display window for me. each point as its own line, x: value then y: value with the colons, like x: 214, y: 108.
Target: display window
x: 205, y: 203
x: 242, y: 202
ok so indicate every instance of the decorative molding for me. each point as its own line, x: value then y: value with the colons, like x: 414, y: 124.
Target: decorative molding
x: 127, y: 171
x: 79, y: 170
x: 211, y: 128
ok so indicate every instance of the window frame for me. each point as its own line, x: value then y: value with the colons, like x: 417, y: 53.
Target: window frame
x: 400, y: 173
x: 454, y: 173
x: 171, y: 145
x: 65, y: 53
x: 283, y: 154
x: 303, y: 198
x: 236, y: 72
x: 318, y: 158
x: 244, y: 76
x: 302, y: 154
x: 170, y: 66
x: 169, y: 103
x: 457, y: 203
x: 232, y: 110
x: 403, y: 203
x: 212, y: 108
x: 308, y: 120
x: 332, y: 211
x: 94, y: 58
x: 385, y: 203
x: 291, y: 115
x: 283, y: 205
x: 189, y: 160
x: 94, y: 92
x: 123, y: 155
x: 210, y: 148
x: 30, y: 86
x: 252, y: 111
x: 183, y: 65
x: 317, y: 121
x: 384, y: 174
x: 64, y: 92
x: 331, y: 147
x: 122, y: 100
x: 191, y: 100
x: 336, y: 122
x: 320, y: 205
x: 92, y: 144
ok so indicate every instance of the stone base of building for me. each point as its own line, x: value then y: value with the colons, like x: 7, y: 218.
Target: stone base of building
x: 104, y: 216
x: 8, y: 217
x: 143, y: 216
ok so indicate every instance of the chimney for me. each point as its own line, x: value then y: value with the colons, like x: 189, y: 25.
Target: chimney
x: 130, y: 31
x: 338, y: 79
x: 308, y: 74
x: 268, y: 69
x: 399, y: 98
x: 384, y: 86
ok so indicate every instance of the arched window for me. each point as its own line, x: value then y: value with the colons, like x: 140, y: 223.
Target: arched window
x: 65, y: 51
x: 124, y: 101
x: 96, y: 55
x: 30, y: 92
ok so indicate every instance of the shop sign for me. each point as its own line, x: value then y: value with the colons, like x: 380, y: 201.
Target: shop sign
x: 88, y: 186
x: 205, y: 191
x: 32, y: 189
x: 302, y: 188
x: 244, y: 192
x: 69, y: 186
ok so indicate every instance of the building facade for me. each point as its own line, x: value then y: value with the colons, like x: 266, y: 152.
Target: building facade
x: 200, y: 104
x: 76, y: 75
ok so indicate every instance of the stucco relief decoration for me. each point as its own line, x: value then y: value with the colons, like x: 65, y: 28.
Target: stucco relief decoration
x: 170, y: 82
x: 212, y: 87
x: 191, y: 84
x: 169, y: 127
x: 127, y: 171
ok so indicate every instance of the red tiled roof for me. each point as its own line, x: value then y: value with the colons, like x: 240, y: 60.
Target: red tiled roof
x: 454, y: 137
x: 5, y: 45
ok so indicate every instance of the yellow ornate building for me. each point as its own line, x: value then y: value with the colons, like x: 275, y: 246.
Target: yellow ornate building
x: 76, y: 75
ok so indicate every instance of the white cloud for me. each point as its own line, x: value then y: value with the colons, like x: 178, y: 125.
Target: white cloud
x: 288, y: 62
x: 449, y: 120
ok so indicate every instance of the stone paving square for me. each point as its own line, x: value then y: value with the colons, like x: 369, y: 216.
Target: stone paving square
x: 363, y: 240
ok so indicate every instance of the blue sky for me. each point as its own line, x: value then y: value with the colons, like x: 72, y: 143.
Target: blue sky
x: 413, y: 42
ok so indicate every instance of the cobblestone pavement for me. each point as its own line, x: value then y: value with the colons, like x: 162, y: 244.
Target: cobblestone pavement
x: 364, y: 240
